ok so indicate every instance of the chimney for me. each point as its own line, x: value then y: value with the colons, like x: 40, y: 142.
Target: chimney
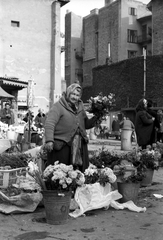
x: 94, y: 11
x: 108, y: 2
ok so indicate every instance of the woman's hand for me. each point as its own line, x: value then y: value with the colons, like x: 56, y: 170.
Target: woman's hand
x: 49, y: 146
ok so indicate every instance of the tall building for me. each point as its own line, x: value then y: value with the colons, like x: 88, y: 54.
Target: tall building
x: 30, y: 46
x: 119, y: 30
x: 73, y: 48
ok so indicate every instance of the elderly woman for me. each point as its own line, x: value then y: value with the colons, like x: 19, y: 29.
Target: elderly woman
x: 65, y: 130
x: 143, y: 124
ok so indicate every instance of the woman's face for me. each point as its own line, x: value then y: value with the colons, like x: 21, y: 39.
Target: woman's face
x: 145, y: 103
x: 74, y: 96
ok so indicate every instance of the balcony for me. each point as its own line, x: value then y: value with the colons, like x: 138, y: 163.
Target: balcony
x: 79, y: 55
x: 79, y: 71
x: 144, y: 39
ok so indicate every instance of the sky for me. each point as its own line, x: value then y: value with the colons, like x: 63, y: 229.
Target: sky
x: 81, y: 8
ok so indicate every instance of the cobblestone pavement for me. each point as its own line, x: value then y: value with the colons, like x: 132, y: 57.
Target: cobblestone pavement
x: 99, y: 224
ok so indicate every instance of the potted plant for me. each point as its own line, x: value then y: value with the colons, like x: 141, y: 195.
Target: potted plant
x: 57, y: 183
x: 129, y: 178
x: 102, y: 176
x: 149, y: 161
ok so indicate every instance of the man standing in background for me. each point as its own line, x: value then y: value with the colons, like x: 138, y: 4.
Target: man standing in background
x: 116, y: 127
x: 7, y: 115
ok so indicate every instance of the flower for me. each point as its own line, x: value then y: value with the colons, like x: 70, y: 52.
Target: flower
x: 100, y: 105
x: 34, y: 171
x: 149, y: 158
x: 103, y: 176
x: 62, y: 177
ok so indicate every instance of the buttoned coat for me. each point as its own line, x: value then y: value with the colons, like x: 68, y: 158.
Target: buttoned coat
x: 62, y: 123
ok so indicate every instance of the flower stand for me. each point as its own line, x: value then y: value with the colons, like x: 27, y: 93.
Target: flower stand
x: 56, y: 206
x: 147, y: 181
x: 129, y: 191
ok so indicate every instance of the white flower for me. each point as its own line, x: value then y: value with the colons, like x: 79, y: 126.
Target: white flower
x: 61, y: 181
x: 90, y: 172
x: 64, y: 186
x: 68, y: 181
x: 32, y: 167
x: 72, y: 174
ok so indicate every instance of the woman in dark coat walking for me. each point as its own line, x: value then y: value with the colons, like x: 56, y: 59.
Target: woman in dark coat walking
x: 143, y: 124
x: 65, y: 130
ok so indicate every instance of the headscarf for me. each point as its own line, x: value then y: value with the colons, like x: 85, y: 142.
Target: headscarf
x: 72, y: 88
x: 141, y: 105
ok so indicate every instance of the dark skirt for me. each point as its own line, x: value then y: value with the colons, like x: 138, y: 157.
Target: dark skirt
x: 64, y: 156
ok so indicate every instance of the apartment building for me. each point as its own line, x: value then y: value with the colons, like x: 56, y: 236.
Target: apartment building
x: 118, y: 31
x: 30, y: 46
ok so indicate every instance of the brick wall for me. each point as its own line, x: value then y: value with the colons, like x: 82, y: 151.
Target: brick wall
x: 126, y: 80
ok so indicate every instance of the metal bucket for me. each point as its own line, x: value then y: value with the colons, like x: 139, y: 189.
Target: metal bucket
x: 56, y: 206
x: 129, y: 191
x: 147, y: 181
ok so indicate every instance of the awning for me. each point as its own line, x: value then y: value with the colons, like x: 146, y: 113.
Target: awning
x: 16, y: 83
x: 13, y: 82
x: 4, y: 94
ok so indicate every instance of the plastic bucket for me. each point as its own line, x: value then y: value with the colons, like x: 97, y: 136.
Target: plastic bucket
x: 126, y: 143
x: 129, y: 191
x: 56, y: 206
x: 147, y: 181
x: 12, y: 135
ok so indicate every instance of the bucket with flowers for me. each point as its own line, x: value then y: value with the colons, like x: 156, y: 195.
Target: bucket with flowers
x: 57, y: 183
x: 149, y: 160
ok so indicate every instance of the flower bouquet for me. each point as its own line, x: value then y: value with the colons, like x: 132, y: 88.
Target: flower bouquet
x: 105, y: 158
x: 101, y: 176
x: 57, y: 183
x: 100, y: 105
x: 58, y: 177
x: 149, y: 158
x: 62, y: 177
x: 149, y: 161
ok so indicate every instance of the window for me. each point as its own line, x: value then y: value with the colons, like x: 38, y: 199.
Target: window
x: 132, y: 54
x: 132, y: 11
x: 149, y: 31
x: 132, y: 36
x: 15, y: 23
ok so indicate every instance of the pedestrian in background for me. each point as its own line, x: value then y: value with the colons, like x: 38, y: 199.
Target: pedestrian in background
x: 65, y: 130
x: 7, y: 115
x: 116, y: 127
x: 156, y: 124
x: 127, y: 123
x: 160, y: 129
x: 40, y: 119
x: 143, y: 124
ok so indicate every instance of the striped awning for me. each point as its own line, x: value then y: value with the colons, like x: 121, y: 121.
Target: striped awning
x: 14, y: 82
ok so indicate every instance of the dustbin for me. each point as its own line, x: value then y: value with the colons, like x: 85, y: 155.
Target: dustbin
x: 126, y: 139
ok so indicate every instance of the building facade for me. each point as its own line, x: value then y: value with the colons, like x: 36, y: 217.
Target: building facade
x: 116, y: 32
x: 156, y: 6
x: 30, y: 46
x: 73, y: 46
